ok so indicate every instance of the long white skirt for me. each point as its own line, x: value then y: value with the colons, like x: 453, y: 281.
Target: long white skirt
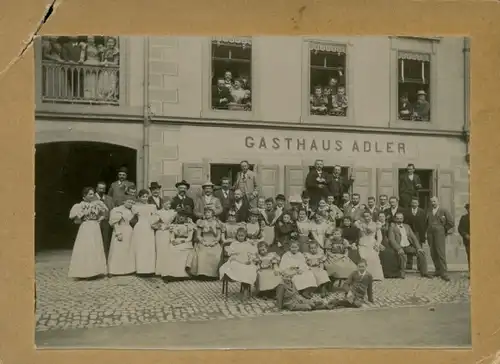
x: 239, y: 272
x: 162, y: 240
x: 267, y: 280
x: 88, y: 258
x: 121, y: 259
x: 368, y: 253
x: 304, y: 280
x: 143, y: 241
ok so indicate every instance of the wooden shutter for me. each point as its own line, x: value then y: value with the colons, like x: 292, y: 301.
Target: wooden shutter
x: 445, y: 192
x: 387, y: 182
x: 195, y: 174
x: 267, y: 178
x: 295, y: 177
x: 362, y: 182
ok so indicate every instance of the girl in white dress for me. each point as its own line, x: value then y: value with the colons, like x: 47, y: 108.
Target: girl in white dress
x: 240, y: 267
x: 268, y: 273
x: 121, y: 258
x: 303, y: 230
x: 162, y: 219
x: 180, y: 247
x: 370, y: 245
x: 254, y: 227
x: 294, y: 262
x: 88, y: 259
x: 315, y: 259
x: 320, y: 229
x: 143, y: 236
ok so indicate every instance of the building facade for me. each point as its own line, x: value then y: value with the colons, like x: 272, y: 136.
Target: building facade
x: 153, y: 104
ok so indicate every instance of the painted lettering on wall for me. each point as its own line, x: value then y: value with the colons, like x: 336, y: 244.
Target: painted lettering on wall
x: 324, y: 145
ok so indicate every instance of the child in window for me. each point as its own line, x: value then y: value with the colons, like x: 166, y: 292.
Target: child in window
x: 405, y: 108
x: 268, y: 274
x: 318, y: 102
x: 358, y: 286
x: 339, y: 101
x: 315, y: 259
x: 303, y: 277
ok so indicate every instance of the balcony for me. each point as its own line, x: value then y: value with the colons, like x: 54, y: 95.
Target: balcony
x: 79, y: 83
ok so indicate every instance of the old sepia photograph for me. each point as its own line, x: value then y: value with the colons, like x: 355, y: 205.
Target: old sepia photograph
x: 252, y: 192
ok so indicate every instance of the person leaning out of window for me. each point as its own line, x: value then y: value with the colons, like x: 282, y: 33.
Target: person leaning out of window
x: 318, y: 102
x: 405, y: 107
x: 221, y: 95
x: 422, y: 108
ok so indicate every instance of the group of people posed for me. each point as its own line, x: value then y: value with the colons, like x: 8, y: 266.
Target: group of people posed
x: 286, y: 249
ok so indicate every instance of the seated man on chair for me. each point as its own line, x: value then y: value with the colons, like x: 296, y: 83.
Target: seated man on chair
x: 404, y: 242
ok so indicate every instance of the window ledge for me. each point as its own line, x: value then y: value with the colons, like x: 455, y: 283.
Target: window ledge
x: 433, y: 39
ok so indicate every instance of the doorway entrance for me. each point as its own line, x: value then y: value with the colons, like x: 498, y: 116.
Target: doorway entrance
x: 62, y: 170
x: 428, y: 186
x: 218, y: 171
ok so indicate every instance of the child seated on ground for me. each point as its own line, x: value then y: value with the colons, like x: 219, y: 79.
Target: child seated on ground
x: 268, y: 274
x: 315, y: 259
x: 240, y: 266
x: 303, y: 277
x: 358, y: 286
x: 289, y: 298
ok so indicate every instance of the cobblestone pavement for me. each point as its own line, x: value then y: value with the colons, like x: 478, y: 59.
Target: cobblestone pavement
x: 66, y: 304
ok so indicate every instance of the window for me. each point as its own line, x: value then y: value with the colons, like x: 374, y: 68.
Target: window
x: 231, y: 74
x: 427, y: 190
x: 83, y: 69
x: 413, y: 87
x: 218, y: 171
x: 328, y: 94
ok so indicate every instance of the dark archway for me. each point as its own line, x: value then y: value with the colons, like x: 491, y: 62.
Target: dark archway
x: 62, y: 169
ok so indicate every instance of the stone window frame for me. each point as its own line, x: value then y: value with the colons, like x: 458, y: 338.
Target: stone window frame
x: 306, y: 117
x: 207, y: 111
x: 417, y: 45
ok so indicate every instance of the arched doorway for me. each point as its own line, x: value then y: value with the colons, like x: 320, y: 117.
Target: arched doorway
x: 62, y: 169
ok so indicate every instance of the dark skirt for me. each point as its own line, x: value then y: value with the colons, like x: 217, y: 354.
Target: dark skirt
x: 353, y: 254
x: 390, y: 262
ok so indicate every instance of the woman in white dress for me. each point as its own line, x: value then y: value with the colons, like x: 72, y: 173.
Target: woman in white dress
x: 240, y: 267
x: 320, y: 229
x: 143, y: 236
x: 121, y: 258
x: 304, y: 227
x: 88, y: 259
x: 91, y: 57
x: 294, y: 263
x: 370, y: 245
x: 162, y: 220
x: 180, y: 247
x: 254, y: 227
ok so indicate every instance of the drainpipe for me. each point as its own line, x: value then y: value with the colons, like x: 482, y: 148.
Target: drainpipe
x: 466, y: 126
x: 147, y: 115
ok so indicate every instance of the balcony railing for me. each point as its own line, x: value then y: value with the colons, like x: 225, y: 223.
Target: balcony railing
x: 80, y: 83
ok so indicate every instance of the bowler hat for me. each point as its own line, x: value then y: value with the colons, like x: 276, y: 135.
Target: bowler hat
x: 123, y: 170
x: 421, y: 92
x: 154, y: 186
x: 182, y: 183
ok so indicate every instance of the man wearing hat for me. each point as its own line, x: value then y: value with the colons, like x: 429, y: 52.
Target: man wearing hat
x: 464, y: 231
x: 181, y: 200
x: 207, y: 199
x: 155, y: 198
x: 118, y: 188
x: 422, y: 108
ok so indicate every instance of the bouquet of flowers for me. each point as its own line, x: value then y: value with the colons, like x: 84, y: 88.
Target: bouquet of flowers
x: 91, y: 210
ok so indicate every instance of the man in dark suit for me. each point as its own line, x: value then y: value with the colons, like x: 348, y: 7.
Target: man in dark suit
x: 404, y: 242
x: 181, y: 201
x: 71, y: 52
x: 373, y: 208
x: 155, y: 198
x: 416, y: 217
x: 318, y: 183
x: 241, y: 206
x: 225, y: 196
x: 409, y: 184
x: 221, y: 96
x: 105, y: 227
x: 390, y: 213
x: 464, y: 231
x: 339, y: 185
x: 118, y: 189
x: 439, y: 224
